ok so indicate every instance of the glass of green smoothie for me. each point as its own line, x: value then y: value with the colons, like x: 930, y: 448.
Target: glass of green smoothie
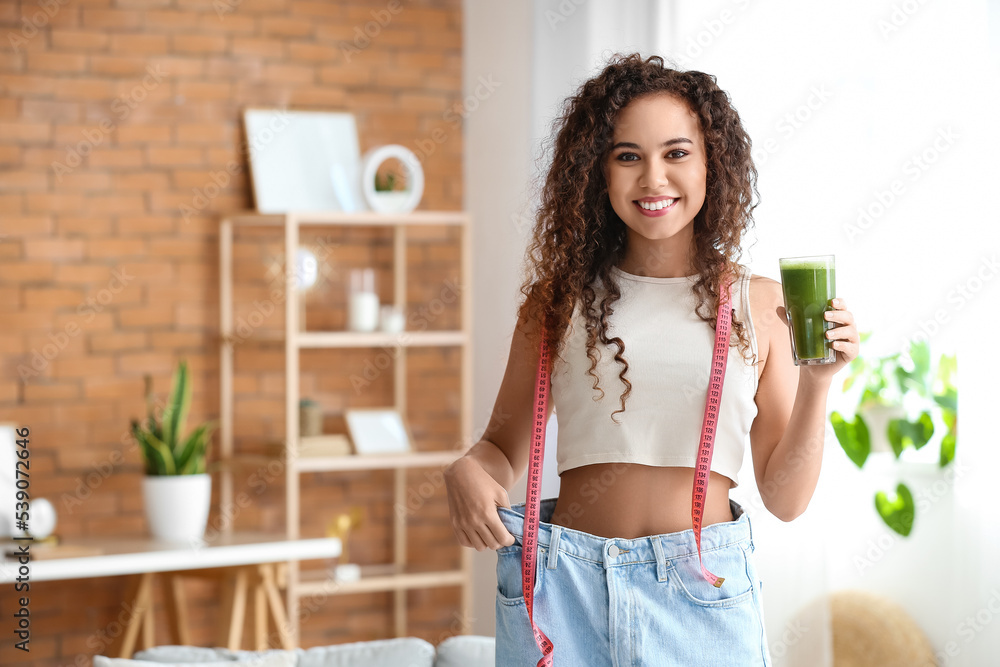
x: 809, y: 285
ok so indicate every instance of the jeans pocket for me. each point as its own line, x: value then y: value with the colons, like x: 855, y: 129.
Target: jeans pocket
x: 730, y: 563
x: 510, y: 590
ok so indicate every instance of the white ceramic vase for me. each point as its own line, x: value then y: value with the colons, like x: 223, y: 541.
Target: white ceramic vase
x: 177, y: 505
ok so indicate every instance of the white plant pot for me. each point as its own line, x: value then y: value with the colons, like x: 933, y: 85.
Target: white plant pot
x: 177, y: 505
x: 392, y: 201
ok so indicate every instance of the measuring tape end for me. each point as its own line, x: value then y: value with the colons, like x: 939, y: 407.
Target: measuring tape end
x: 718, y: 582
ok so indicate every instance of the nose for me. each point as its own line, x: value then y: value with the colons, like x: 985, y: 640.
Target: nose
x: 654, y: 175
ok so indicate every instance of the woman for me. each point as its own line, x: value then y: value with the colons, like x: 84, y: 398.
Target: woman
x: 640, y: 223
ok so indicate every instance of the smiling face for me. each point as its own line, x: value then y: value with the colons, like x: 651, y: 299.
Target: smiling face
x: 656, y: 174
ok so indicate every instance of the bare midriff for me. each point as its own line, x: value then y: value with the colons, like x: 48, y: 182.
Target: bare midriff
x: 630, y: 500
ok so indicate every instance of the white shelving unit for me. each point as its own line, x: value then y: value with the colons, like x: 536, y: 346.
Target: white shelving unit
x: 391, y: 576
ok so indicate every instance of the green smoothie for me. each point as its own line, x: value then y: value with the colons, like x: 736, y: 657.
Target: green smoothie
x: 809, y: 283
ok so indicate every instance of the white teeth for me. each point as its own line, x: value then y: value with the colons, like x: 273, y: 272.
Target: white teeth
x: 656, y: 206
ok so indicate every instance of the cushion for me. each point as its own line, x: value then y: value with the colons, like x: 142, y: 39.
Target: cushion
x: 184, y: 655
x: 466, y: 651
x: 397, y: 652
x: 181, y: 654
x: 267, y: 659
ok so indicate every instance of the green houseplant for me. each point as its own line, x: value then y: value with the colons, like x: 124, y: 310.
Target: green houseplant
x: 904, y: 399
x: 176, y: 487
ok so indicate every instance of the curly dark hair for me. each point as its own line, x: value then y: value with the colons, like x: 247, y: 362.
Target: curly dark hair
x: 577, y: 236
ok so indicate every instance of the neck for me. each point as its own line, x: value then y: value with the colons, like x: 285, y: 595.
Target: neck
x: 660, y: 258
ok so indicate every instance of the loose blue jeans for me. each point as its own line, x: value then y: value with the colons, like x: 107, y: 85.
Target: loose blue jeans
x: 615, y: 602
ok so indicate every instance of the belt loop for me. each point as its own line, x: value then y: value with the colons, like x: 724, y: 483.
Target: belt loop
x: 553, y: 546
x: 661, y: 560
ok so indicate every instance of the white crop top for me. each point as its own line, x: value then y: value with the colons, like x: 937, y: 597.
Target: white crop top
x: 669, y: 350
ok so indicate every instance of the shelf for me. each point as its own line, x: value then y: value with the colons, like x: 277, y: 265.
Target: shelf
x: 350, y: 462
x: 297, y: 456
x: 353, y: 339
x: 360, y: 218
x: 375, y: 578
x: 376, y: 462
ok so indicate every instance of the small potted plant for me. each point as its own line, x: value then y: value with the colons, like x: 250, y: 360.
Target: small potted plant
x: 907, y: 401
x: 391, y: 192
x: 176, y: 489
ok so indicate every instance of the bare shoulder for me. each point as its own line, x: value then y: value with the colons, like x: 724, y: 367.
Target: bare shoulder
x: 765, y: 299
x: 765, y: 293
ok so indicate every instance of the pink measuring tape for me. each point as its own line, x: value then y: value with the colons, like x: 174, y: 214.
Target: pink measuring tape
x: 720, y: 356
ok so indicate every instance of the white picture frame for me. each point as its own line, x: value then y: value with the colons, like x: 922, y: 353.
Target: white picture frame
x: 378, y: 431
x: 303, y: 160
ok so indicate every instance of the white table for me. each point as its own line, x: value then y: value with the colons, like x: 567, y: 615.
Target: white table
x: 251, y: 556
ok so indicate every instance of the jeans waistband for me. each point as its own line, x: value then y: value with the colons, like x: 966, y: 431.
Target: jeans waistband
x: 654, y: 548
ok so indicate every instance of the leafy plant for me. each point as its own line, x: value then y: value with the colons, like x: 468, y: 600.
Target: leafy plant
x: 923, y: 388
x: 388, y: 182
x: 163, y: 449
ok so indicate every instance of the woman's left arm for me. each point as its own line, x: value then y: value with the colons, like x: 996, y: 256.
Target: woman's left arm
x: 786, y: 437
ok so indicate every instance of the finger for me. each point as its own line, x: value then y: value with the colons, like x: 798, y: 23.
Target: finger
x: 500, y: 535
x: 845, y: 346
x: 843, y: 332
x: 841, y: 317
x: 475, y: 541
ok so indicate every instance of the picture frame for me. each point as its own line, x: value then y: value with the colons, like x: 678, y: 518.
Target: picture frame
x: 303, y: 160
x: 378, y: 431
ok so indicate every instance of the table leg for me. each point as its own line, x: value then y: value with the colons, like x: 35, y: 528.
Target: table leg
x: 173, y: 590
x: 141, y: 597
x: 238, y: 610
x: 266, y: 572
x: 226, y: 591
x: 260, y: 615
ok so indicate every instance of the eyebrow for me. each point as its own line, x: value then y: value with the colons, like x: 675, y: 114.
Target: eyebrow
x: 668, y: 142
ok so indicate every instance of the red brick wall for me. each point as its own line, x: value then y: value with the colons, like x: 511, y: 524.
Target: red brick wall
x: 140, y: 101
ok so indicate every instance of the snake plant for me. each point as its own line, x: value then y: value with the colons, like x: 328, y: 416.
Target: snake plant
x: 163, y: 449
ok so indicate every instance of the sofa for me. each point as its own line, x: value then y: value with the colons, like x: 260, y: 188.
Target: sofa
x: 455, y: 651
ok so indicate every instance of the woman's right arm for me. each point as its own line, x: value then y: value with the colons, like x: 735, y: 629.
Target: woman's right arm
x: 478, y: 481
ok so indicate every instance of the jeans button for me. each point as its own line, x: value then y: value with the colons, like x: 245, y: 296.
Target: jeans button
x: 613, y: 550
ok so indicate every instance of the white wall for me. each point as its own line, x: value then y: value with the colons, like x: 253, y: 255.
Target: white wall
x: 497, y: 46
x: 866, y: 99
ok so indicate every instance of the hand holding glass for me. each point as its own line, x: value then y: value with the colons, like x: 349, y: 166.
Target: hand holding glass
x: 809, y: 285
